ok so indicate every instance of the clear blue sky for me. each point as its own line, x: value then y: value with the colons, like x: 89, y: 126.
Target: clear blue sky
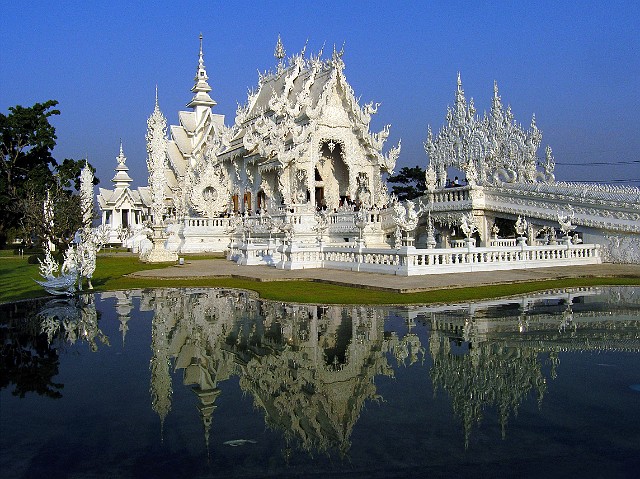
x: 576, y: 65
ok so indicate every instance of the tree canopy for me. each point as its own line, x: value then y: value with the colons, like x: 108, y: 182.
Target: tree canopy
x: 411, y: 183
x: 28, y: 170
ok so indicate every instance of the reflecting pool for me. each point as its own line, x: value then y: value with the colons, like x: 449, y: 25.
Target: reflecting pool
x: 216, y: 383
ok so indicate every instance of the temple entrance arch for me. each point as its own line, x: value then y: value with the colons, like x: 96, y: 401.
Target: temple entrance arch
x: 319, y: 192
x: 261, y: 200
x: 333, y: 172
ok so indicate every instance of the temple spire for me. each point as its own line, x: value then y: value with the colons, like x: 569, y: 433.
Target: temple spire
x: 201, y: 88
x: 279, y: 53
x: 460, y: 107
x: 122, y: 178
x: 496, y: 118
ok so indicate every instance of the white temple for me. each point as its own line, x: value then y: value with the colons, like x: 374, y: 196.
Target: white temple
x: 297, y: 181
x: 123, y: 209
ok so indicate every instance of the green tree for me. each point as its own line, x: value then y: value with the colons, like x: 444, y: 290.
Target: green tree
x: 28, y: 171
x: 27, y: 140
x: 67, y: 211
x: 411, y: 183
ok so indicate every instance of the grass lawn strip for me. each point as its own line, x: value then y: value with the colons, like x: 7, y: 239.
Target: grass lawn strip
x: 17, y: 282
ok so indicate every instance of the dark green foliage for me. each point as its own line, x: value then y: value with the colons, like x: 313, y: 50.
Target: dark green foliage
x: 28, y: 362
x: 26, y: 142
x: 411, y: 183
x: 69, y: 173
x: 28, y: 170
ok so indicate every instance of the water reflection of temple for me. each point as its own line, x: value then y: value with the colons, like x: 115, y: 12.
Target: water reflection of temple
x: 311, y: 368
x: 488, y: 354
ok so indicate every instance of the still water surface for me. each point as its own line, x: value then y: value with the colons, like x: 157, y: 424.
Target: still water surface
x: 215, y: 383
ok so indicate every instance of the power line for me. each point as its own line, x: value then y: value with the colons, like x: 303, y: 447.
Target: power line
x: 632, y: 162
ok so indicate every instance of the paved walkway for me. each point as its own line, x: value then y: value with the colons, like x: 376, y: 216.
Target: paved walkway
x: 402, y: 284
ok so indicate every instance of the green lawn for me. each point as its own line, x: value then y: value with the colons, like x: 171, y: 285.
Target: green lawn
x: 17, y: 282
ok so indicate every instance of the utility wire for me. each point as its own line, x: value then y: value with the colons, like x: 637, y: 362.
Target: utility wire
x: 632, y: 162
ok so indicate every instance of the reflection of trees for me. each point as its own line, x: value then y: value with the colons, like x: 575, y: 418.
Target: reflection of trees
x: 27, y: 359
x: 33, y: 332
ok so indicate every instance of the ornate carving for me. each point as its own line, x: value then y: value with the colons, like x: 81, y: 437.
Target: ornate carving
x: 565, y: 221
x: 491, y: 150
x: 468, y: 225
x: 157, y: 161
x: 621, y: 249
x: 406, y: 217
x: 209, y: 187
x: 521, y: 226
x: 86, y: 195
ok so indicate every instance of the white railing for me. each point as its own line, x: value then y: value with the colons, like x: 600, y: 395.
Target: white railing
x: 503, y: 242
x: 449, y: 195
x: 221, y: 222
x: 409, y: 261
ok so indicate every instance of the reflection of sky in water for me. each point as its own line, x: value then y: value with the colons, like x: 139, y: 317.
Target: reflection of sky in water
x: 182, y: 383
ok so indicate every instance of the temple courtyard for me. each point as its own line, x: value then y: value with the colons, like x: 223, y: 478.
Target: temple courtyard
x: 218, y: 268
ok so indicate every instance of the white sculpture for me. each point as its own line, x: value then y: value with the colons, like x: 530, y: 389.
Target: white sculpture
x: 406, y: 219
x: 322, y: 223
x: 63, y: 284
x: 49, y: 221
x: 431, y: 239
x: 86, y: 195
x: 156, y: 161
x: 79, y: 259
x: 565, y: 222
x: 489, y: 150
x: 93, y: 239
x: 156, y: 164
x: 430, y: 178
x: 521, y: 227
x: 468, y: 225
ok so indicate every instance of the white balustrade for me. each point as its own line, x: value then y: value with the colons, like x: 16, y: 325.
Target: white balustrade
x: 503, y: 242
x: 409, y: 261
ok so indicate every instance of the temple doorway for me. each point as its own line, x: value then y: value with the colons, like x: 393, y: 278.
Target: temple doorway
x: 333, y: 173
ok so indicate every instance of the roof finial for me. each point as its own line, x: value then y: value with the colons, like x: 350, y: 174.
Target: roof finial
x: 122, y: 178
x: 201, y: 88
x: 279, y: 53
x: 157, y: 97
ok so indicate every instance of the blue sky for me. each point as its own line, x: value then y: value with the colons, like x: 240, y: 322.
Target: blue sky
x: 576, y: 65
